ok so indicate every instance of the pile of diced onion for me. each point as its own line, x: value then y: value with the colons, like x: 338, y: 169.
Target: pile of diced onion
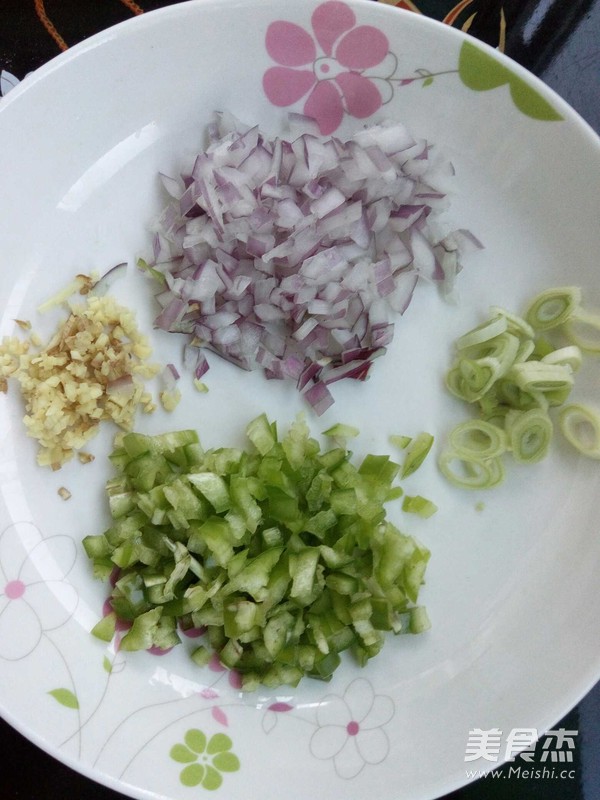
x: 294, y: 255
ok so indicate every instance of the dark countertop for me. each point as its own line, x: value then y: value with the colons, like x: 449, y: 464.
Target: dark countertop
x: 558, y: 41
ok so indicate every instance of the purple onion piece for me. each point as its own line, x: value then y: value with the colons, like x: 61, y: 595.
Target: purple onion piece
x: 291, y: 256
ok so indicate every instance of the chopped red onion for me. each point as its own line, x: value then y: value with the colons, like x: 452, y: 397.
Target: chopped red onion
x: 291, y: 256
x: 168, y: 378
x: 103, y: 284
x: 174, y: 372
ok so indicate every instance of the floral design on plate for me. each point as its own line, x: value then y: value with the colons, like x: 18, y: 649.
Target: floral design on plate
x: 35, y: 598
x: 336, y: 77
x: 350, y: 728
x: 348, y: 68
x: 204, y: 759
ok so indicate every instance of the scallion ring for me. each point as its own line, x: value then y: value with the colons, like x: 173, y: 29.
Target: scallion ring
x: 503, y: 347
x: 558, y: 397
x: 570, y: 356
x: 515, y: 324
x: 478, y: 376
x: 580, y: 425
x: 510, y: 394
x: 529, y: 434
x: 482, y: 333
x: 553, y: 307
x: 583, y: 329
x: 492, y: 411
x: 477, y: 438
x: 542, y: 347
x: 471, y: 473
x: 537, y: 376
x: 525, y: 351
x: 455, y: 383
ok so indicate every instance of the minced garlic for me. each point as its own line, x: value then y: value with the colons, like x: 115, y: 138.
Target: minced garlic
x: 170, y: 400
x: 89, y: 371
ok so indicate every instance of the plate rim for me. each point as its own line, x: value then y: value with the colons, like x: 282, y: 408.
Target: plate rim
x: 193, y: 7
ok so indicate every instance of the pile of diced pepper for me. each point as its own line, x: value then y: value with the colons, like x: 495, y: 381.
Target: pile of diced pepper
x: 282, y: 553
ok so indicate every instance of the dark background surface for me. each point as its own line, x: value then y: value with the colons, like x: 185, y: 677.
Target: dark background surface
x: 30, y: 774
x: 558, y: 40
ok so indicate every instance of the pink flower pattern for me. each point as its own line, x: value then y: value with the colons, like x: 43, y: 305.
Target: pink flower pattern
x: 330, y: 70
x: 31, y: 603
x: 350, y: 728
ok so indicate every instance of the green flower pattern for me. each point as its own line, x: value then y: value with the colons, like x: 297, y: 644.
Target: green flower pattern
x: 480, y: 71
x: 205, y: 759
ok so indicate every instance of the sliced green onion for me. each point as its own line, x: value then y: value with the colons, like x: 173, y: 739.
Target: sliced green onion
x: 512, y: 396
x: 566, y: 356
x: 558, y: 397
x: 580, y: 425
x: 583, y: 329
x: 503, y: 347
x: 526, y: 350
x: 490, y: 405
x: 516, y: 394
x: 553, y: 307
x: 416, y: 453
x: 483, y: 333
x: 542, y: 348
x: 514, y: 324
x: 538, y: 376
x: 471, y: 380
x: 455, y: 383
x: 478, y: 376
x: 478, y: 438
x: 471, y: 473
x: 529, y: 434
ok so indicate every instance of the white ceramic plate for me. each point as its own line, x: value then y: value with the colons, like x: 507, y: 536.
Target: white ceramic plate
x: 511, y: 590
